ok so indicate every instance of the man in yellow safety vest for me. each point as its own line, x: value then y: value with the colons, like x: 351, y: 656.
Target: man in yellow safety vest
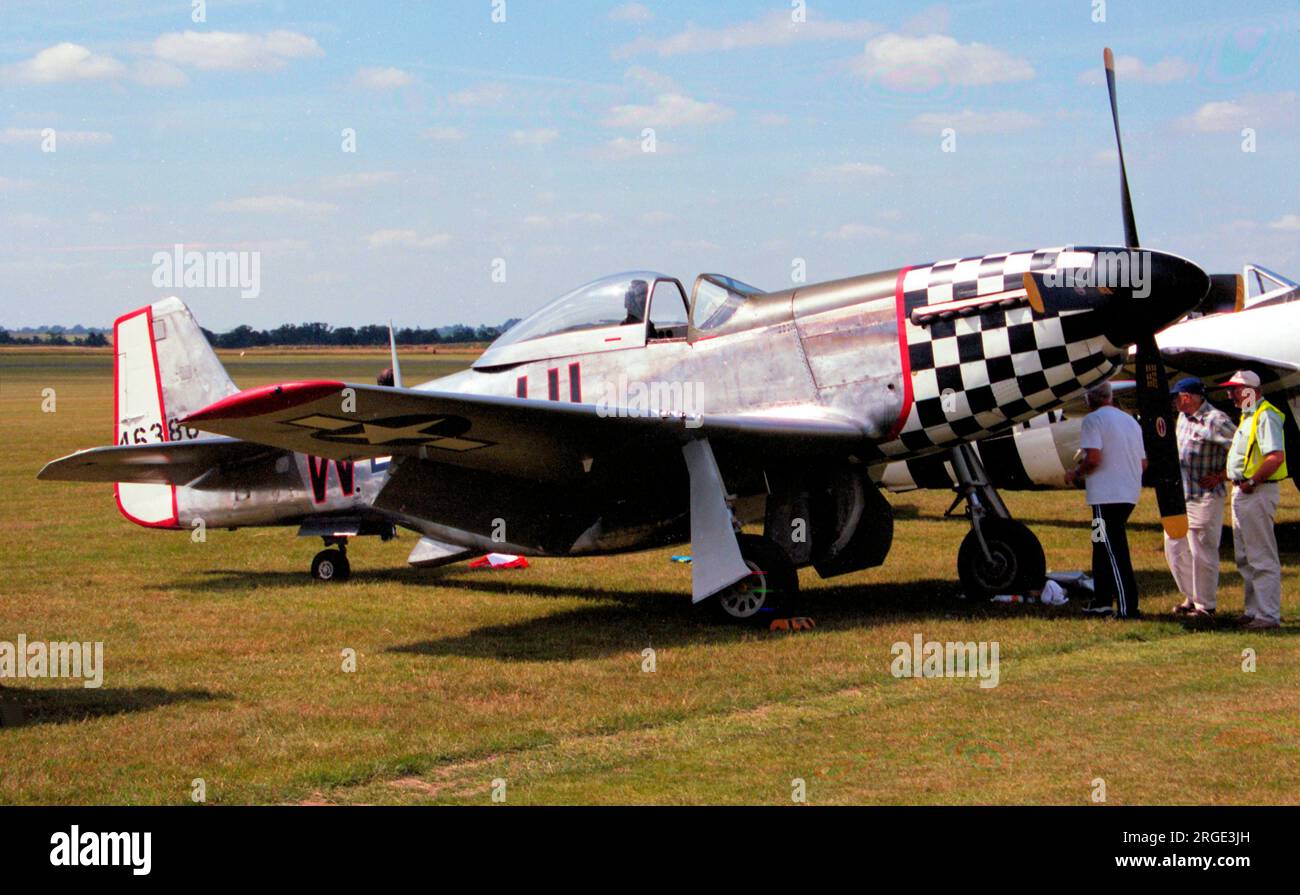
x: 1256, y: 464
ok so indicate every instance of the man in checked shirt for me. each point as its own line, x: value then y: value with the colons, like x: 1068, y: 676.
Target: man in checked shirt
x: 1204, y: 436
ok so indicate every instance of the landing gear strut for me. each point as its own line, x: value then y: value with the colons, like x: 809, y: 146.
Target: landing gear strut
x: 332, y: 564
x: 999, y: 555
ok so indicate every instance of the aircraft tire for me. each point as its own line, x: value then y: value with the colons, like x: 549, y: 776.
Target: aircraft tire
x: 330, y: 565
x: 1018, y: 560
x: 766, y: 594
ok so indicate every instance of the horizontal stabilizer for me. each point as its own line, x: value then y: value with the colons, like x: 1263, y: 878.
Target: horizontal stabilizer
x: 161, y: 463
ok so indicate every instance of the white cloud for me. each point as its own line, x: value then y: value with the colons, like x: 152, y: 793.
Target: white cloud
x: 62, y: 137
x: 359, y: 180
x: 156, y: 73
x: 274, y: 205
x: 9, y: 183
x: 669, y: 110
x: 1287, y: 222
x: 968, y: 121
x: 233, y: 51
x: 903, y: 62
x: 850, y: 171
x: 773, y: 30
x: 773, y: 119
x: 479, y: 95
x: 850, y: 232
x: 635, y: 13
x: 406, y: 239
x: 443, y: 134
x: 383, y: 78
x: 1131, y: 68
x: 539, y: 137
x: 65, y: 62
x: 1255, y: 110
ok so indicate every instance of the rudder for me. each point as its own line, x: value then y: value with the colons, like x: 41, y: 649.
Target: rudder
x: 163, y: 370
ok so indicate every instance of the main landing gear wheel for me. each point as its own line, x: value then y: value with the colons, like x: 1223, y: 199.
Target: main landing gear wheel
x: 1015, y: 562
x: 331, y: 565
x: 770, y: 590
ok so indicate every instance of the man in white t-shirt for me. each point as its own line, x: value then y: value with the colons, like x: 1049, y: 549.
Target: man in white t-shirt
x: 1114, y: 459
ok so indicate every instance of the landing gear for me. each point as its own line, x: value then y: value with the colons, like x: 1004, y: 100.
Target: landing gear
x: 768, y: 591
x: 1000, y: 555
x: 1009, y: 561
x: 332, y: 564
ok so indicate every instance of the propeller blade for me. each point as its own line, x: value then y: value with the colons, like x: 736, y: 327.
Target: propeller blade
x: 1158, y: 434
x: 1130, y: 225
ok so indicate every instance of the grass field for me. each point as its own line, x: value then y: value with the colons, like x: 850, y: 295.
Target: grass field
x: 222, y: 662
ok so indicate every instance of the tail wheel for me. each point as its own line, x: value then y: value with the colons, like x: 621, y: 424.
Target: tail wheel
x: 769, y: 590
x: 1015, y: 563
x: 330, y: 565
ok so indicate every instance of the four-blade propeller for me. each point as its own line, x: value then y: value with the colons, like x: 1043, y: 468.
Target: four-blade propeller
x: 1169, y: 281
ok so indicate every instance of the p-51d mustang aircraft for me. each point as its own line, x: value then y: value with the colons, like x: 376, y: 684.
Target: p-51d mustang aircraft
x: 573, y: 433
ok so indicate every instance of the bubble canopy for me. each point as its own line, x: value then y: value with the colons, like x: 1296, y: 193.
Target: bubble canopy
x: 616, y: 305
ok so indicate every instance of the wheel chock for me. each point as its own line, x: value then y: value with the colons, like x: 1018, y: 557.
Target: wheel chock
x: 798, y: 623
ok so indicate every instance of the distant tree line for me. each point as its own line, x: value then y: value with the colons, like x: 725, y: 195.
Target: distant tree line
x: 93, y: 339
x: 291, y: 334
x: 324, y: 334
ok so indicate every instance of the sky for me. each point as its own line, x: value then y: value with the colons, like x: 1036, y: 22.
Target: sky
x: 464, y: 162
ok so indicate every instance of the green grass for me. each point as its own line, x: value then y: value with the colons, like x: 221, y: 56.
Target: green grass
x: 223, y: 662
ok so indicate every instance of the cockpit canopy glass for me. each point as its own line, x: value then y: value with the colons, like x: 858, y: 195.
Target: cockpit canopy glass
x: 717, y: 297
x: 615, y: 300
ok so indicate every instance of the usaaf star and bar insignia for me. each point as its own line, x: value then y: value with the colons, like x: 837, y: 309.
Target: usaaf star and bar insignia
x: 412, y: 430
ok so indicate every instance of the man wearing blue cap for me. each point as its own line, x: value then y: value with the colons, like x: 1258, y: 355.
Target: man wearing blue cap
x: 1204, y: 437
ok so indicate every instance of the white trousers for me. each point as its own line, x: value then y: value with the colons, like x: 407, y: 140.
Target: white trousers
x: 1194, y: 559
x: 1256, y: 547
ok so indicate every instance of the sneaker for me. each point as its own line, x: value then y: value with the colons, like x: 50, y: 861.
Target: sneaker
x: 1185, y: 608
x: 1135, y: 615
x: 1198, y: 612
x: 1262, y: 624
x: 1098, y: 610
x: 1245, y: 620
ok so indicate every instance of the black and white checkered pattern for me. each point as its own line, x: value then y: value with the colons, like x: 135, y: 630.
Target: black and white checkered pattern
x: 1002, y: 365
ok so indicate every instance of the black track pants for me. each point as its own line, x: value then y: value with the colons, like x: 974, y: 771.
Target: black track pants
x: 1112, y: 568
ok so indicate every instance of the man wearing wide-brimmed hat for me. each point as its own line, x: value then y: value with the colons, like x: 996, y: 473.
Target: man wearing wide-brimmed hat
x: 1256, y: 464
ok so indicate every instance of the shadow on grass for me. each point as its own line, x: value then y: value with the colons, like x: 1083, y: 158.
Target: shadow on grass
x: 250, y: 580
x: 631, y: 621
x: 26, y: 706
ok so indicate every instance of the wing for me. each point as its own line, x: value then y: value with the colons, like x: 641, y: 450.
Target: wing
x: 168, y: 463
x: 540, y: 439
